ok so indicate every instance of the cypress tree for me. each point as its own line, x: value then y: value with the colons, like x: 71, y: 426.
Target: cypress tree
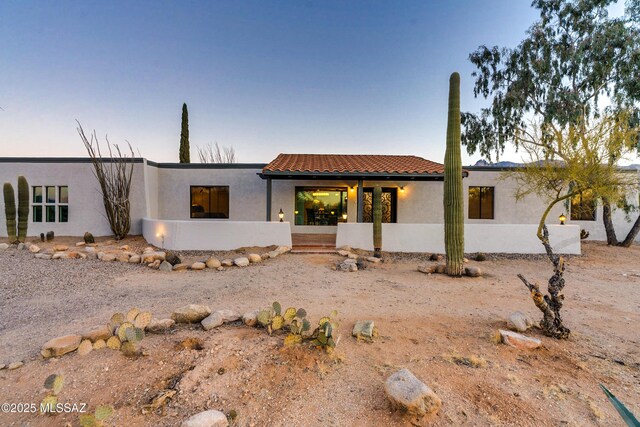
x: 184, y: 136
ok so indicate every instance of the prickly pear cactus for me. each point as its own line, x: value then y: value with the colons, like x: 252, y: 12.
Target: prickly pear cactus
x: 142, y: 320
x: 134, y: 334
x: 54, y: 383
x: 122, y: 330
x: 131, y: 314
x: 114, y: 343
x: 277, y: 308
x: 292, y: 339
x: 277, y: 322
x: 118, y: 319
x: 264, y: 317
x: 129, y: 349
x: 290, y: 314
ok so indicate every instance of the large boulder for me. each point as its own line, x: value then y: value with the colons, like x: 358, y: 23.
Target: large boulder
x: 406, y: 392
x: 519, y: 341
x: 210, y: 418
x: 192, y: 313
x: 61, y: 345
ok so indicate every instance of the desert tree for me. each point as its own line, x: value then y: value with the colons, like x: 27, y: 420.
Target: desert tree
x: 216, y: 154
x: 564, y: 163
x: 114, y: 175
x: 185, y: 151
x: 575, y: 61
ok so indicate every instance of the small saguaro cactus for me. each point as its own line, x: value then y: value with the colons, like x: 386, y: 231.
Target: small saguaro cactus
x: 10, y: 211
x: 453, y: 202
x: 23, y: 208
x: 377, y: 222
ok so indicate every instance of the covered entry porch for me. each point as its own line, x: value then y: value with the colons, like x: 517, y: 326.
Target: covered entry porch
x: 317, y: 193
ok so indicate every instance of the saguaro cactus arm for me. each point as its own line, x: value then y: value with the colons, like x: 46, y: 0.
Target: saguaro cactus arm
x: 377, y: 222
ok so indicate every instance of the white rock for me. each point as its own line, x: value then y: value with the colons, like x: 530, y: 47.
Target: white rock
x: 158, y: 326
x: 61, y: 345
x: 108, y: 257
x: 34, y: 249
x: 373, y: 259
x: 343, y: 252
x: 4, y: 246
x: 364, y: 329
x: 250, y: 318
x: 135, y: 259
x: 520, y: 341
x: 253, y: 258
x: 407, y: 392
x: 212, y: 321
x: 210, y: 418
x: 273, y: 254
x: 353, y: 256
x: 228, y: 315
x: 164, y: 266
x: 241, y: 261
x: 226, y: 262
x: 519, y: 322
x: 152, y: 256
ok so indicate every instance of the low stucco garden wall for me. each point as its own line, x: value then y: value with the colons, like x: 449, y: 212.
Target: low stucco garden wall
x: 499, y: 238
x: 215, y: 235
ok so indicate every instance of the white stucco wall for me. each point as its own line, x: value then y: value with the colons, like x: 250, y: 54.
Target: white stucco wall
x: 86, y: 211
x: 501, y: 238
x: 207, y: 235
x: 529, y: 210
x: 247, y: 192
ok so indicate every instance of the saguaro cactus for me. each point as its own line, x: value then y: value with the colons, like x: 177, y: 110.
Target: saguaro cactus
x: 23, y: 208
x: 377, y: 222
x: 453, y: 202
x: 10, y: 211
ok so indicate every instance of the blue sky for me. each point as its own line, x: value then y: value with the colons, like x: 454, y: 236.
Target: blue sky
x: 262, y: 76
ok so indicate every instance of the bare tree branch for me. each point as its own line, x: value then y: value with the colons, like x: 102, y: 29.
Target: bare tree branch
x: 214, y: 154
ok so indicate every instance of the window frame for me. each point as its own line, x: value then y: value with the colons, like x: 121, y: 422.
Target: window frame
x: 45, y: 204
x: 481, y: 192
x: 191, y: 187
x: 581, y: 211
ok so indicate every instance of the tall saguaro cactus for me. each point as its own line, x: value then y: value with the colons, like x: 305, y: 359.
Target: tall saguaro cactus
x: 23, y: 208
x: 185, y: 156
x: 10, y: 211
x: 377, y: 222
x: 453, y: 201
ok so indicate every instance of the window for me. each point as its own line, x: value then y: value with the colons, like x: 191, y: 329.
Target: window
x: 46, y: 206
x: 320, y: 206
x: 210, y: 201
x: 583, y: 207
x: 481, y: 202
x: 389, y: 205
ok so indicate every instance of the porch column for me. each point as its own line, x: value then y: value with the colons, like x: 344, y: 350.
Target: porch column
x: 268, y: 199
x: 360, y: 200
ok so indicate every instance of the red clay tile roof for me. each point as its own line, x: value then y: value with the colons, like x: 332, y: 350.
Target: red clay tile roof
x: 353, y: 164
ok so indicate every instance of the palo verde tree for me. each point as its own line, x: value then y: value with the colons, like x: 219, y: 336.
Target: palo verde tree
x: 185, y: 155
x: 114, y: 175
x: 575, y: 62
x: 564, y: 163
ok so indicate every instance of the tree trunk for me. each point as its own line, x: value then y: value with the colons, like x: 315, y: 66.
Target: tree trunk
x: 612, y: 239
x: 631, y: 236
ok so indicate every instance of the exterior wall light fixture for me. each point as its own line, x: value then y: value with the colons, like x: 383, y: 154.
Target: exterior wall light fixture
x: 344, y: 217
x: 562, y: 218
x: 281, y: 215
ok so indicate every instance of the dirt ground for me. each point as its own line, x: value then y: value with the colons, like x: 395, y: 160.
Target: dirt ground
x: 424, y: 321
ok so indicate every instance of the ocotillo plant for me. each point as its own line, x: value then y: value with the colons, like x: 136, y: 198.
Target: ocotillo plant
x: 377, y: 222
x: 453, y: 203
x: 23, y: 208
x: 10, y: 211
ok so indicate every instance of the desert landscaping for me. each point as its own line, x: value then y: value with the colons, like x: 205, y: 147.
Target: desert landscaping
x: 442, y: 329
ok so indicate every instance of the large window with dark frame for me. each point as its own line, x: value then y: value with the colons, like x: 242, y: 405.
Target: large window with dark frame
x: 210, y: 201
x: 583, y: 207
x: 481, y: 200
x: 50, y: 202
x: 320, y: 206
x: 389, y: 205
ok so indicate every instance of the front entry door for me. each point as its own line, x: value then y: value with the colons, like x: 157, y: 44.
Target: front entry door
x: 389, y: 205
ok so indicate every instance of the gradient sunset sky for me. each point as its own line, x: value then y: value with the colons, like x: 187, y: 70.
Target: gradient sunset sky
x: 262, y: 76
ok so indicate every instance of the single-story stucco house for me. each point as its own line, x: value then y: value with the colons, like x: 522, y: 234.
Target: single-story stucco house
x: 226, y: 206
